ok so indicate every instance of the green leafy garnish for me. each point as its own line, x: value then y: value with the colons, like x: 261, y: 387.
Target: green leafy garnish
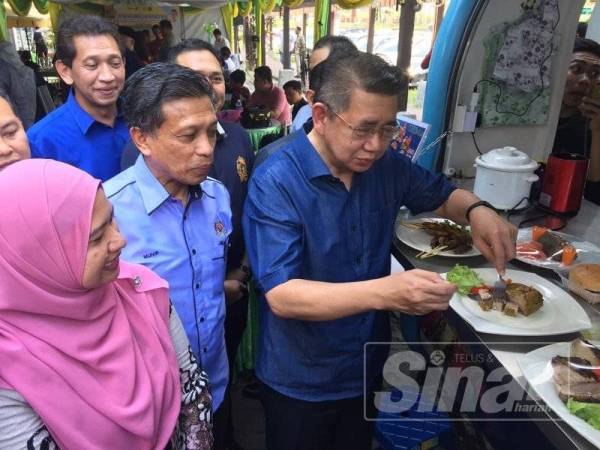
x: 464, y: 278
x: 590, y: 412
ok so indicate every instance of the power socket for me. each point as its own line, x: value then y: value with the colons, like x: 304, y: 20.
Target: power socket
x: 470, y: 121
x: 464, y: 121
x: 459, y: 118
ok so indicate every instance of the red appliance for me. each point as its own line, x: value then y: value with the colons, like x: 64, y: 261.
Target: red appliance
x: 564, y: 179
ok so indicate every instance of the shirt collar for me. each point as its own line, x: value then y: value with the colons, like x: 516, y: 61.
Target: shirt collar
x: 221, y: 134
x: 83, y: 120
x: 153, y: 193
x: 309, y: 159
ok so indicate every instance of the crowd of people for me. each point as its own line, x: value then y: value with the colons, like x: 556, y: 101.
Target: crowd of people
x: 134, y: 219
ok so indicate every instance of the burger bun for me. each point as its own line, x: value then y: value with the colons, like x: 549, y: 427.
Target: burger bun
x: 584, y: 280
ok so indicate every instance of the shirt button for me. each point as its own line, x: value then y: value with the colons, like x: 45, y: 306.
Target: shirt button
x: 358, y: 259
x: 205, y: 350
x: 201, y: 319
x: 354, y: 228
x: 193, y: 251
x: 197, y: 285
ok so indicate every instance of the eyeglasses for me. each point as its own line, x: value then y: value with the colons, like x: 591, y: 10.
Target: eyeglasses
x: 386, y: 132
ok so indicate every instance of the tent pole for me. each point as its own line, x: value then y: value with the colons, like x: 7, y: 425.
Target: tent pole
x: 304, y: 23
x: 439, y: 15
x: 263, y: 40
x: 405, y: 37
x: 286, y: 38
x: 182, y: 28
x: 371, y: 32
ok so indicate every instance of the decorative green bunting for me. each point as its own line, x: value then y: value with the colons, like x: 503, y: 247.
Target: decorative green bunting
x: 20, y: 7
x: 322, y: 8
x: 3, y: 23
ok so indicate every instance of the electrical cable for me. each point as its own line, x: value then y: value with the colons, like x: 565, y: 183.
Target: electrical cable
x: 544, y: 216
x: 514, y: 209
x: 475, y: 142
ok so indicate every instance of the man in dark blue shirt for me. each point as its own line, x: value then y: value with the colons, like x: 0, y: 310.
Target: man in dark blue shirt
x: 87, y: 131
x: 318, y: 223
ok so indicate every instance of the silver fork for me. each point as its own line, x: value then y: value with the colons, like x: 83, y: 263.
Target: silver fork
x: 499, y: 288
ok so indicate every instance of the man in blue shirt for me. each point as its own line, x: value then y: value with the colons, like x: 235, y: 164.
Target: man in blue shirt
x: 176, y: 219
x: 232, y: 165
x: 318, y: 223
x: 87, y: 131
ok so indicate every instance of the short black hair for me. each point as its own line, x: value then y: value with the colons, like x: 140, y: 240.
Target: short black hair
x: 85, y: 25
x: 4, y: 95
x: 238, y: 76
x: 225, y: 50
x: 156, y: 27
x: 293, y: 84
x: 315, y: 75
x: 216, y: 31
x: 341, y: 76
x: 586, y: 45
x: 127, y: 31
x: 336, y: 44
x: 165, y: 24
x: 190, y: 45
x: 148, y: 89
x: 264, y: 73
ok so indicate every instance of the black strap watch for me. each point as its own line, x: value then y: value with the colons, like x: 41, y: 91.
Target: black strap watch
x: 476, y: 205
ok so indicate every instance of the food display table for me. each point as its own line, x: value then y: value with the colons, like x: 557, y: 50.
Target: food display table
x: 506, y: 350
x: 256, y: 134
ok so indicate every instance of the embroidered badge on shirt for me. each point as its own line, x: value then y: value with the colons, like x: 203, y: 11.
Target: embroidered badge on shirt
x: 220, y: 228
x: 242, y: 169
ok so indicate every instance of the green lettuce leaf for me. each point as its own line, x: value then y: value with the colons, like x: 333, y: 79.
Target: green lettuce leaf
x: 590, y: 412
x: 464, y: 278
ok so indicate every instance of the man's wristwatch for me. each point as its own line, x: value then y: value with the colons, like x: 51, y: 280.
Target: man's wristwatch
x: 476, y: 205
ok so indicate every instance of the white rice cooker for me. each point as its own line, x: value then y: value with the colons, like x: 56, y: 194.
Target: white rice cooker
x: 504, y: 177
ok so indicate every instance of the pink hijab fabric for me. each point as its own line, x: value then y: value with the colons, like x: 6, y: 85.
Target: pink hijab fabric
x: 97, y: 365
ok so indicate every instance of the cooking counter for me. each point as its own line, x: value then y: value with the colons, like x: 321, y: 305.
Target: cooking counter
x: 585, y: 225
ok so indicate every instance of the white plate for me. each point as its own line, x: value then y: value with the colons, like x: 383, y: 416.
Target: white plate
x: 560, y: 313
x: 537, y: 370
x: 524, y: 235
x: 420, y: 240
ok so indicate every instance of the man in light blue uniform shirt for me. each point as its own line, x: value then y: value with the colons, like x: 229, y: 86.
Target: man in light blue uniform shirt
x: 176, y: 220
